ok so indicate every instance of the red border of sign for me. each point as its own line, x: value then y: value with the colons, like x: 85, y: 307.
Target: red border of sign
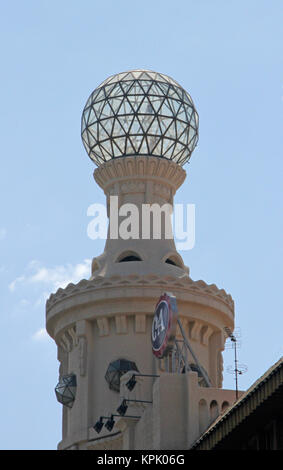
x: 170, y: 331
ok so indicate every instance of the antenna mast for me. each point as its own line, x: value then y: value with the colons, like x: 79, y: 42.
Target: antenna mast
x: 238, y: 369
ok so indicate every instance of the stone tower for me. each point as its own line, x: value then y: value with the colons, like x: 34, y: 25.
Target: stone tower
x: 139, y: 127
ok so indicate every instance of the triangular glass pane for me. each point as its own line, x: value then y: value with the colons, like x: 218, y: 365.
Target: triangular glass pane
x: 143, y: 148
x: 102, y: 152
x: 109, y: 88
x: 154, y: 128
x: 145, y: 85
x: 96, y: 150
x: 93, y: 130
x: 155, y: 90
x: 180, y: 156
x: 152, y: 142
x: 192, y: 120
x: 125, y: 122
x: 165, y: 110
x: 189, y: 111
x: 121, y: 141
x: 175, y: 105
x: 181, y: 127
x: 157, y: 150
x: 125, y: 107
x: 136, y: 73
x: 129, y: 147
x: 100, y: 95
x: 144, y: 76
x: 92, y: 117
x: 193, y: 143
x: 83, y: 123
x: 85, y: 139
x: 116, y: 91
x: 136, y: 89
x: 125, y: 76
x: 178, y: 148
x: 173, y: 93
x: 146, y: 122
x: 179, y: 92
x: 145, y: 107
x: 183, y: 137
x: 117, y: 129
x: 92, y: 140
x: 192, y: 133
x: 196, y: 119
x: 135, y: 127
x: 116, y: 150
x: 102, y: 134
x: 107, y: 124
x: 171, y: 129
x: 106, y: 147
x: 156, y: 103
x: 106, y: 111
x: 135, y: 101
x: 98, y: 108
x: 136, y: 140
x: 86, y: 113
x: 115, y: 103
x: 182, y: 114
x: 164, y: 87
x: 126, y: 86
x: 187, y: 98
x: 166, y: 144
x: 170, y: 150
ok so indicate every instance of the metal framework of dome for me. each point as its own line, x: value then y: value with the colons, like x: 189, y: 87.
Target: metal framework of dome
x: 115, y: 371
x: 139, y: 112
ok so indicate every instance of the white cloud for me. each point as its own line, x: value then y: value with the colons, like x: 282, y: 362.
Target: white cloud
x: 53, y: 278
x: 40, y: 335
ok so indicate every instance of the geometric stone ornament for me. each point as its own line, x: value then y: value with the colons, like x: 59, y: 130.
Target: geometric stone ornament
x: 66, y: 390
x: 139, y: 112
x: 115, y: 371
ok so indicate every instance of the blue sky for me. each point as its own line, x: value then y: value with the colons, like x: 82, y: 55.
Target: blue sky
x: 228, y: 56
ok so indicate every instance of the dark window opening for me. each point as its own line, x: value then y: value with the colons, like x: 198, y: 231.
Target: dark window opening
x: 129, y: 258
x: 169, y: 261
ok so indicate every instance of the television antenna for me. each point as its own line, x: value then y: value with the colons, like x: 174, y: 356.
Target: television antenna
x: 238, y: 369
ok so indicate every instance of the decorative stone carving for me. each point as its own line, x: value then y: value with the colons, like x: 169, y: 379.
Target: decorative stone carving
x: 99, y: 282
x: 140, y: 323
x: 133, y: 187
x: 121, y: 324
x: 82, y: 355
x: 103, y: 326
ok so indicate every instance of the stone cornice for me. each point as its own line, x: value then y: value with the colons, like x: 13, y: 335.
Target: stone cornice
x: 168, y: 282
x: 138, y: 167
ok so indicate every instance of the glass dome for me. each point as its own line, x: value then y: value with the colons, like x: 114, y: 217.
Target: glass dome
x: 139, y: 113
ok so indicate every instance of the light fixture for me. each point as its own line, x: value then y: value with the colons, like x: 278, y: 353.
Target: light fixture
x: 123, y: 407
x: 132, y: 381
x: 98, y: 425
x: 110, y: 423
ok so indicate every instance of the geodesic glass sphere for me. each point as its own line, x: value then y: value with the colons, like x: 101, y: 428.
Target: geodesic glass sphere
x: 115, y: 370
x: 66, y: 389
x: 139, y: 113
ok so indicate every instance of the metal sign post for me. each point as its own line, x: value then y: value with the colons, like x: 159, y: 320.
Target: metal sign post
x: 164, y: 342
